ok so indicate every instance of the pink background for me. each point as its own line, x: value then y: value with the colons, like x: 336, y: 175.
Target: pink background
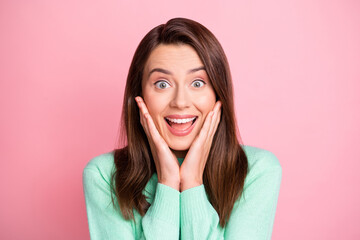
x: 296, y: 71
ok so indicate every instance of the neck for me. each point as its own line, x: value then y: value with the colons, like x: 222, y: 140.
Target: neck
x: 179, y: 154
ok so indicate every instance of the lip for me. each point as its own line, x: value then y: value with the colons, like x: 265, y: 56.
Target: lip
x: 180, y: 116
x: 184, y: 132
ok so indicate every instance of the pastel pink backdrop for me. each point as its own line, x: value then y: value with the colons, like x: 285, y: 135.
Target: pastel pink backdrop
x: 296, y: 71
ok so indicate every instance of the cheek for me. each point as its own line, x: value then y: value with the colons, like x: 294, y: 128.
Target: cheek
x: 155, y: 106
x: 206, y: 102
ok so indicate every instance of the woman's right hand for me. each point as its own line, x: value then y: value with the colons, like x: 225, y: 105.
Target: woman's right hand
x: 167, y: 165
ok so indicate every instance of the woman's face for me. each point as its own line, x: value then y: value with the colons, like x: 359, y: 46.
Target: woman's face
x: 178, y: 94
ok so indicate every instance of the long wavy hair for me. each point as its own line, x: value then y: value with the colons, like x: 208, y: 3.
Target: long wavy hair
x: 227, y: 164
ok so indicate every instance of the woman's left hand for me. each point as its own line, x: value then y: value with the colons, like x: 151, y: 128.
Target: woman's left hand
x: 191, y: 170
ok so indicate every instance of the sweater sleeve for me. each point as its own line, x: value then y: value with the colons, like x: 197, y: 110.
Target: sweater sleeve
x: 106, y: 222
x: 163, y: 214
x: 253, y: 213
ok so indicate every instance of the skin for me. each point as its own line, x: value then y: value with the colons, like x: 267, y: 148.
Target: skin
x: 178, y: 91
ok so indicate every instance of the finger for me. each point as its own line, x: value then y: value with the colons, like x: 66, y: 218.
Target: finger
x: 142, y: 111
x: 154, y: 133
x: 216, y: 119
x: 142, y: 121
x: 141, y: 104
x: 148, y: 121
x: 216, y: 125
x: 206, y: 126
x: 213, y: 120
x: 145, y: 112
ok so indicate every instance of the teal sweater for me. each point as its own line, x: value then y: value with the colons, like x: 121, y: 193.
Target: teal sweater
x: 188, y: 214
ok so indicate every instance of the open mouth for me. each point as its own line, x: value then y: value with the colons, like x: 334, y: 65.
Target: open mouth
x: 181, y: 124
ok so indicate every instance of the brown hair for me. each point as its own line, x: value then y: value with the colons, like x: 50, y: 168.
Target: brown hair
x: 227, y: 164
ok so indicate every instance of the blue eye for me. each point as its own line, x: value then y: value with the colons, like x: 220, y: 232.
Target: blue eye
x: 198, y: 83
x: 162, y: 84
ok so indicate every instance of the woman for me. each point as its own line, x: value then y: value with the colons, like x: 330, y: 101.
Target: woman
x: 183, y: 173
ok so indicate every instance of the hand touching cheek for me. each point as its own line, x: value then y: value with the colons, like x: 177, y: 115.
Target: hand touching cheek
x: 167, y: 166
x: 191, y: 170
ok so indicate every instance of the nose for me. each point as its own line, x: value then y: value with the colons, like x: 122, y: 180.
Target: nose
x: 180, y: 98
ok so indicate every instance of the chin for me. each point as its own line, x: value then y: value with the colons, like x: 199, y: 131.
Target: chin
x: 180, y: 146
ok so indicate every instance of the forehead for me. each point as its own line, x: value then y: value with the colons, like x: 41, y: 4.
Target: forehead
x: 173, y: 57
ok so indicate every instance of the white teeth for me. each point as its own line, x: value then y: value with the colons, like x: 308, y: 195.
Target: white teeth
x: 184, y: 120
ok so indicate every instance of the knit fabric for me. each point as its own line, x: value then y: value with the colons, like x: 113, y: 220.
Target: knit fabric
x: 188, y: 214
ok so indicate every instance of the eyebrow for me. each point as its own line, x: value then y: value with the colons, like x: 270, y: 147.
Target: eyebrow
x: 170, y: 73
